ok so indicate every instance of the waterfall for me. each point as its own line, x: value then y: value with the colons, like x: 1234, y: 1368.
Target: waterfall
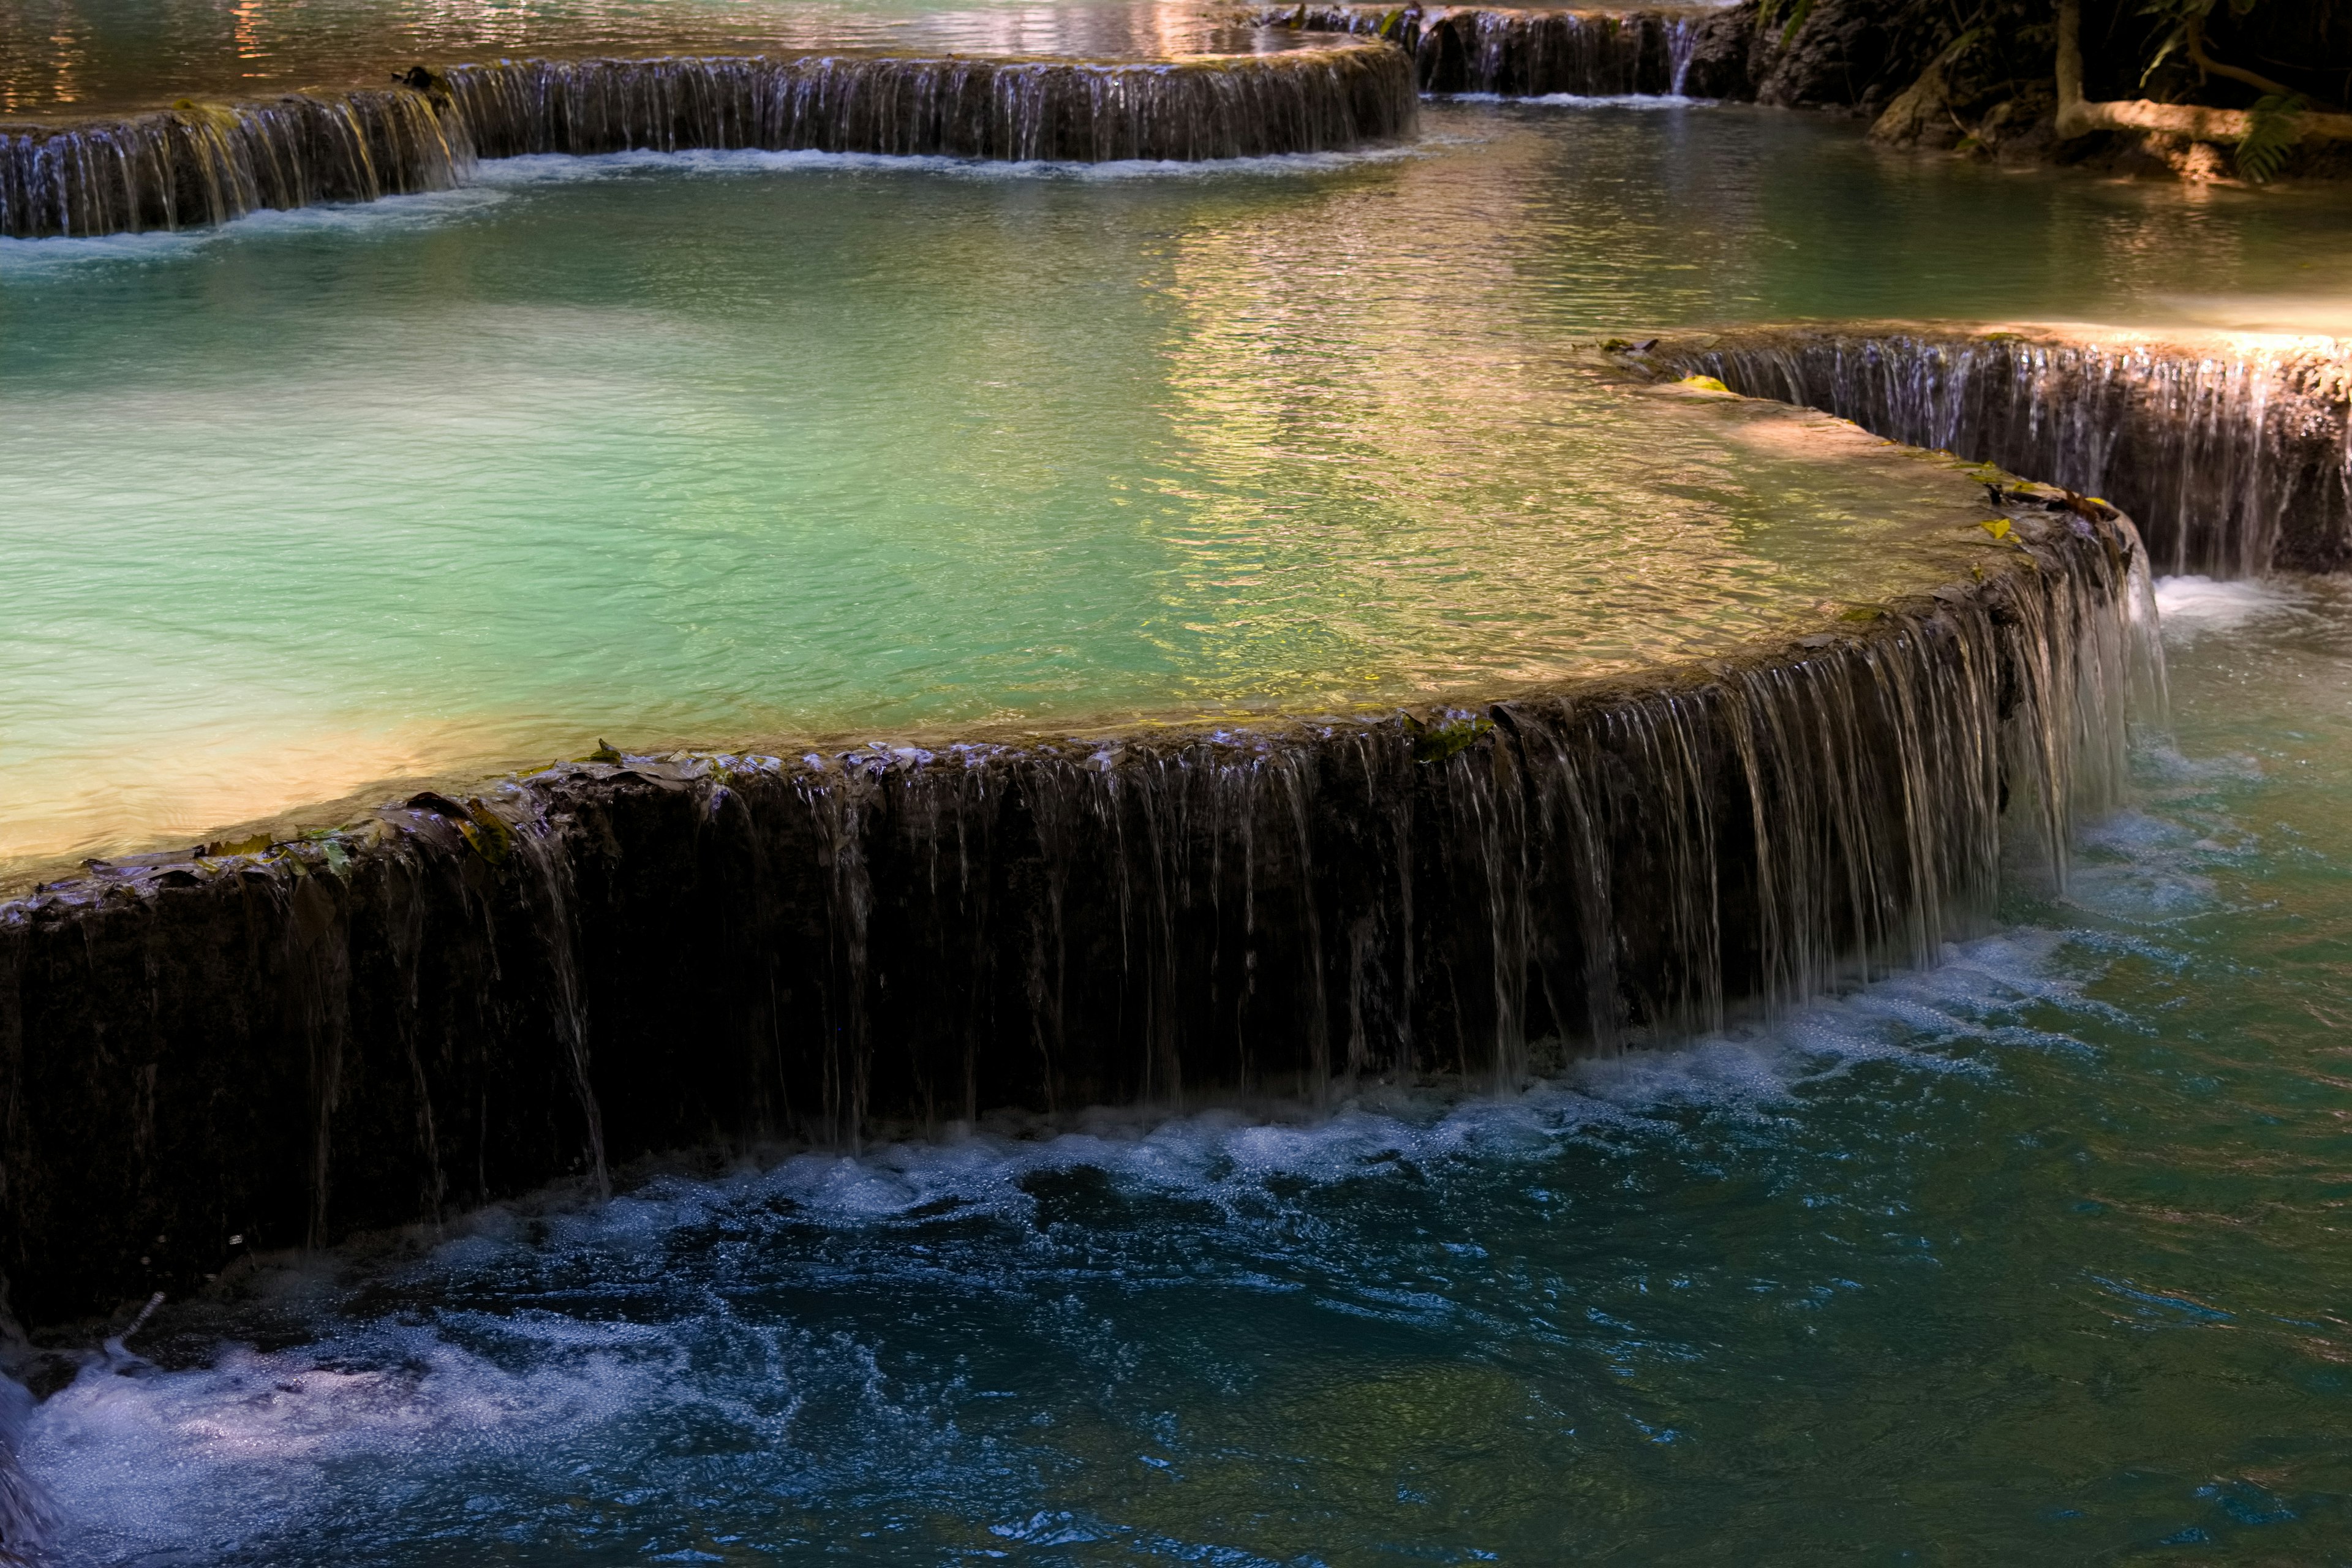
x: 1682, y: 48
x: 1526, y: 54
x: 1307, y: 102
x: 2234, y: 453
x: 1523, y: 54
x: 457, y: 1000
x: 27, y: 1516
x: 205, y: 163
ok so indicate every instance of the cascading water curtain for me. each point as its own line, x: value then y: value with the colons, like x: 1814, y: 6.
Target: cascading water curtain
x: 208, y: 163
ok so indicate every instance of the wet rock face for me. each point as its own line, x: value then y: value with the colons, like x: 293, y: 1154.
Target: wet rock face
x: 208, y: 164
x: 1719, y: 50
x: 1839, y: 55
x: 2234, y: 456
x: 1318, y: 100
x: 463, y: 999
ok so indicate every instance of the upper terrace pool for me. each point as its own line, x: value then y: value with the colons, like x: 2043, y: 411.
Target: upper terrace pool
x: 745, y: 449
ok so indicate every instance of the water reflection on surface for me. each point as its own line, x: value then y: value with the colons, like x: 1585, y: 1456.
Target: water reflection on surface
x: 79, y: 56
x: 734, y: 448
x: 730, y: 450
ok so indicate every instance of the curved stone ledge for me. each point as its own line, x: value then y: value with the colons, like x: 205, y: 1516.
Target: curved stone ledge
x: 205, y: 163
x: 460, y: 999
x: 1699, y: 51
x: 2233, y: 451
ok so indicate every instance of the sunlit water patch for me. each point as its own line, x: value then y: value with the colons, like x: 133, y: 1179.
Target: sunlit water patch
x: 95, y: 56
x: 739, y: 450
x: 2030, y: 1256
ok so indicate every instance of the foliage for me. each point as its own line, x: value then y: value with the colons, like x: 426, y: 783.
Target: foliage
x: 2180, y: 32
x: 2184, y: 11
x: 2271, y: 135
x: 1453, y: 732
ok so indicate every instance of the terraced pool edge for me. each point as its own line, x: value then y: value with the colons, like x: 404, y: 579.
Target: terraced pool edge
x: 462, y: 998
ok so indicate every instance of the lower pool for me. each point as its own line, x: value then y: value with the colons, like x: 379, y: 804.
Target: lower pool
x: 2030, y: 1257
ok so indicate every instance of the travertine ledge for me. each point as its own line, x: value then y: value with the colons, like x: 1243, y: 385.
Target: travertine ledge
x: 209, y: 162
x: 464, y: 997
x: 2231, y: 450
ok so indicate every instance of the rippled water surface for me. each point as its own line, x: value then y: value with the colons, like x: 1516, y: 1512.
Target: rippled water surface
x: 2036, y: 1258
x: 723, y: 449
x: 734, y: 449
x: 64, y: 57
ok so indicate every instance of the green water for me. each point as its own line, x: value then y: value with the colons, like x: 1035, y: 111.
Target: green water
x: 741, y: 451
x: 744, y: 449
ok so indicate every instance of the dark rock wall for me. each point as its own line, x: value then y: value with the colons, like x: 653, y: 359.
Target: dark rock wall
x: 1829, y: 54
x: 457, y: 1000
x: 1720, y: 66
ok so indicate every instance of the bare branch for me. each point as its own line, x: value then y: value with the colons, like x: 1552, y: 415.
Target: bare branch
x: 2205, y: 62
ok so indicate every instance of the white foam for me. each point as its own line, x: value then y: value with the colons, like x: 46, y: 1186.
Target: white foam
x: 2191, y: 604
x: 557, y: 168
x: 26, y: 258
x: 1584, y: 101
x: 203, y: 1461
x: 21, y: 258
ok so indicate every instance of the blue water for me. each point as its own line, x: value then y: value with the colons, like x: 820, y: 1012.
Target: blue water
x: 2035, y: 1256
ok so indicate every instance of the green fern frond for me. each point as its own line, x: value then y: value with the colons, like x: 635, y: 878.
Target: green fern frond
x: 2270, y: 134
